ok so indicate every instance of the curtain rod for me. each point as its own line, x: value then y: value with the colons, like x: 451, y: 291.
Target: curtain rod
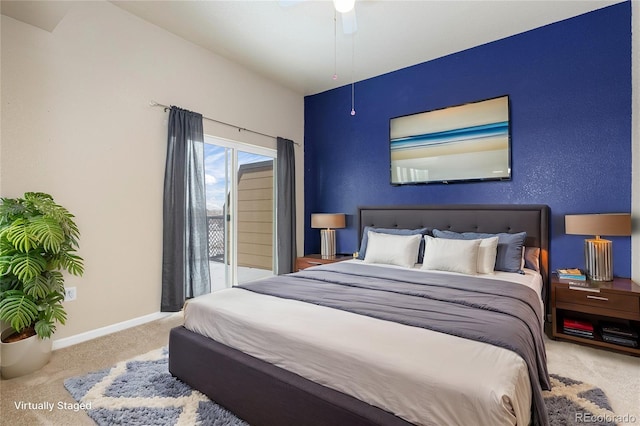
x: 240, y: 129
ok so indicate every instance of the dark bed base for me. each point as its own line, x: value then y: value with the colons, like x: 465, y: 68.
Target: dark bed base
x: 261, y: 393
x: 264, y: 394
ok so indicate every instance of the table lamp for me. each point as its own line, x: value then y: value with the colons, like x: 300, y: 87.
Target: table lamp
x: 327, y: 221
x: 598, y: 256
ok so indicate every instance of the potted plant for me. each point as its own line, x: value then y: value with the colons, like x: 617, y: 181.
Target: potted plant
x: 38, y: 241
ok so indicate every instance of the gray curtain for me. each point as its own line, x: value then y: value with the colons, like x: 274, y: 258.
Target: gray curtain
x: 185, y: 262
x: 286, y: 206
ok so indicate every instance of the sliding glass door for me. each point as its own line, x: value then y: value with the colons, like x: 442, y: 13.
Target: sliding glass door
x: 240, y: 211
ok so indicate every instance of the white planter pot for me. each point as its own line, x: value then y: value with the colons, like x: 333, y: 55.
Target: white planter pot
x: 3, y: 326
x: 23, y: 357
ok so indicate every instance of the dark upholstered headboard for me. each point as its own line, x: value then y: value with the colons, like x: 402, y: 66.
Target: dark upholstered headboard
x: 490, y: 218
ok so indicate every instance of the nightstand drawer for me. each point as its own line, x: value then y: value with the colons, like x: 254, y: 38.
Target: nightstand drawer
x: 618, y: 302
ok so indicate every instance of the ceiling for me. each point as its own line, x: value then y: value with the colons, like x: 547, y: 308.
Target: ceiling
x: 295, y: 42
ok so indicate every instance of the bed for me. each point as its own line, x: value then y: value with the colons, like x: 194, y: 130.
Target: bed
x: 375, y: 370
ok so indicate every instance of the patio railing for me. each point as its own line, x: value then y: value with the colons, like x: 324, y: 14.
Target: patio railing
x: 215, y: 229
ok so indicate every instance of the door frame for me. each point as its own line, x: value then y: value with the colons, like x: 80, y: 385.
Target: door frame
x: 231, y: 188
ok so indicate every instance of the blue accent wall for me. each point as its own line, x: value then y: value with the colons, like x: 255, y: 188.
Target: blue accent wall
x: 570, y: 93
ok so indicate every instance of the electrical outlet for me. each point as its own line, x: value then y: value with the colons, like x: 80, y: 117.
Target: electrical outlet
x: 70, y: 294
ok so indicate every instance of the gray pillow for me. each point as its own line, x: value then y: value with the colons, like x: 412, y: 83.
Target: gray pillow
x: 509, y: 255
x: 392, y: 231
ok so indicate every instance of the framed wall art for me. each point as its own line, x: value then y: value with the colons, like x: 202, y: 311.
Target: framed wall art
x: 469, y: 142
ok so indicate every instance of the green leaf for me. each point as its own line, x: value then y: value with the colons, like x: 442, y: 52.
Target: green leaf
x: 54, y: 309
x: 9, y: 282
x: 47, y: 232
x: 6, y: 248
x: 38, y: 287
x: 10, y: 209
x: 5, y: 264
x: 37, y: 196
x: 56, y: 281
x: 20, y: 235
x: 27, y: 266
x: 72, y: 263
x: 18, y: 310
x: 45, y: 329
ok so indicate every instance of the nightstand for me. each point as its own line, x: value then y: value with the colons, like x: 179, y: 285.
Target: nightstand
x: 597, y: 303
x: 309, y: 260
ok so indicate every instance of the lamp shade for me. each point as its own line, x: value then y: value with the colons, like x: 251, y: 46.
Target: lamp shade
x: 608, y: 224
x: 328, y: 220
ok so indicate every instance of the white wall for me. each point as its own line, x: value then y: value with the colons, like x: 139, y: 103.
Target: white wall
x: 76, y: 123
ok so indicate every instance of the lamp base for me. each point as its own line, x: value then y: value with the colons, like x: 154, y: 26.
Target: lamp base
x: 598, y: 259
x: 328, y: 243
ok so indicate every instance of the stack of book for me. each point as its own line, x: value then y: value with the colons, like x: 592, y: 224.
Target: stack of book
x: 619, y: 334
x: 571, y: 274
x: 578, y: 328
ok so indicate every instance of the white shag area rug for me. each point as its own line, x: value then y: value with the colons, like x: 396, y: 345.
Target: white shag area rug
x: 141, y: 391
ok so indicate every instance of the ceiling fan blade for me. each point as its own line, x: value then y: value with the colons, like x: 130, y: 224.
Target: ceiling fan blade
x: 349, y: 23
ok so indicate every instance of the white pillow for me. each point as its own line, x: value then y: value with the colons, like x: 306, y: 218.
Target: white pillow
x: 391, y: 249
x: 443, y: 254
x: 487, y: 255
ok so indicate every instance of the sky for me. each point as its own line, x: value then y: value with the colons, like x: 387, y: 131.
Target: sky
x: 215, y: 173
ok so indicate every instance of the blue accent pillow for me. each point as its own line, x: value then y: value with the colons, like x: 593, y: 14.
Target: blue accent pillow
x: 392, y: 231
x: 509, y: 255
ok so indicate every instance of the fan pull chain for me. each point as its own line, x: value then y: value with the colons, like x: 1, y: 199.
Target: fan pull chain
x: 353, y: 80
x: 335, y: 46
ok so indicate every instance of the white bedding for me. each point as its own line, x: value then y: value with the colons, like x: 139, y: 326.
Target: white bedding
x: 425, y: 377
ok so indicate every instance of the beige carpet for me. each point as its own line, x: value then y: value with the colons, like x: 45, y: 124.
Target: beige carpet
x: 618, y: 375
x: 47, y: 383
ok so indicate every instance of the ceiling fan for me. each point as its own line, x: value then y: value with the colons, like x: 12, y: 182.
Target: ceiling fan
x: 346, y: 8
x: 348, y: 11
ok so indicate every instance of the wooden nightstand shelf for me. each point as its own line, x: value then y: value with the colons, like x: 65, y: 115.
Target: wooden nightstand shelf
x: 316, y: 259
x: 616, y: 302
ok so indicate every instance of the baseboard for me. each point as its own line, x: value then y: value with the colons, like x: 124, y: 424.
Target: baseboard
x: 103, y: 331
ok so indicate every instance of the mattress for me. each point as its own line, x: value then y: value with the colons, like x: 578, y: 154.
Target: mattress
x: 422, y: 376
